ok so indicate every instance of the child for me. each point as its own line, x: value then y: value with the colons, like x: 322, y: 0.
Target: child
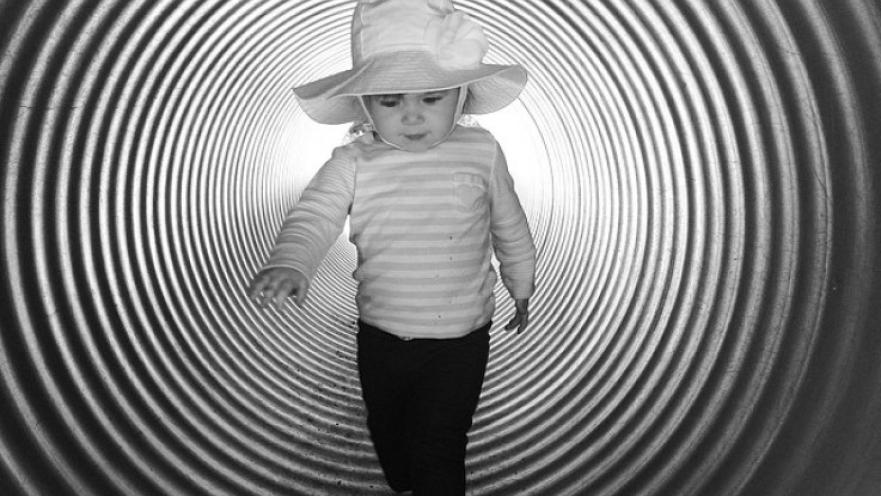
x: 428, y: 201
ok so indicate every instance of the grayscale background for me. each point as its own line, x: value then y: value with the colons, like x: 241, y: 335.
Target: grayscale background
x: 702, y: 177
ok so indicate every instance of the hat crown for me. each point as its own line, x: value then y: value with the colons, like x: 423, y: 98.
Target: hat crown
x: 384, y: 26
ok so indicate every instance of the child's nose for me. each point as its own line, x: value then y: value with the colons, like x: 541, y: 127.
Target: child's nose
x: 412, y: 114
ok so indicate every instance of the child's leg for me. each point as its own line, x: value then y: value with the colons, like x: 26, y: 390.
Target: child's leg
x: 384, y: 385
x: 445, y: 398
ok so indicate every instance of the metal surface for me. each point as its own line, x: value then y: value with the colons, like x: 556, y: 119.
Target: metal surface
x: 702, y: 179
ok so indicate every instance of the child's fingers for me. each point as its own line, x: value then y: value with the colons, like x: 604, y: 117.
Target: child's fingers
x: 282, y: 292
x: 514, y: 322
x: 301, y: 289
x: 271, y: 287
x: 519, y: 322
x: 524, y: 322
x: 263, y: 286
x: 275, y: 286
x: 257, y: 286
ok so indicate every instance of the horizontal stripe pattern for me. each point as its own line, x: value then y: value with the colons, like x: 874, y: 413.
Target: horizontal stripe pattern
x: 425, y: 226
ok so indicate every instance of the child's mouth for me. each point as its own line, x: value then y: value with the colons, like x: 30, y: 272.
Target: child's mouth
x: 415, y: 137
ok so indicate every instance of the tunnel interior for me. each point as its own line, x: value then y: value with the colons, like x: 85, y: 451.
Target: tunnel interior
x: 701, y: 179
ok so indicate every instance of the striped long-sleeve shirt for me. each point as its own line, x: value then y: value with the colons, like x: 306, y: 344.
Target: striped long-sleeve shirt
x: 424, y: 225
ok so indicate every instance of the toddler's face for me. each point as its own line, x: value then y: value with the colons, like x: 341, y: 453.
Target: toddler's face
x: 413, y: 121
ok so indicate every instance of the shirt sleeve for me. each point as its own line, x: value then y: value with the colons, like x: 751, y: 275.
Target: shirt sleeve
x: 512, y: 241
x: 316, y: 221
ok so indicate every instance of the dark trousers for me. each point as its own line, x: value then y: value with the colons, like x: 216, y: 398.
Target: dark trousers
x: 421, y: 395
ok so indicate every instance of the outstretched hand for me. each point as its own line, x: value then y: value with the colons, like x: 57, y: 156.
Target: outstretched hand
x: 276, y: 284
x: 521, y: 317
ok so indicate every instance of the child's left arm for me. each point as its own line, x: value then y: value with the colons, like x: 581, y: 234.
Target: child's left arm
x: 512, y: 241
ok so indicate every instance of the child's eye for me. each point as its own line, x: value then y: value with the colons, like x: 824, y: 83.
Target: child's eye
x: 431, y: 100
x: 388, y: 103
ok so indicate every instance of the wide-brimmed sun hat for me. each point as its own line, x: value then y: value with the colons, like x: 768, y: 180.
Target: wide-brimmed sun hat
x: 404, y: 46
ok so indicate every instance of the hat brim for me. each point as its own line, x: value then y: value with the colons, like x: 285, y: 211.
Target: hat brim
x: 334, y: 99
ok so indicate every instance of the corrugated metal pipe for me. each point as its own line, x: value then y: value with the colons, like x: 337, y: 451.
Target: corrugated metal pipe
x: 702, y: 178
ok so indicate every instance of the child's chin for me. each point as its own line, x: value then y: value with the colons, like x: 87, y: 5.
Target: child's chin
x: 414, y: 147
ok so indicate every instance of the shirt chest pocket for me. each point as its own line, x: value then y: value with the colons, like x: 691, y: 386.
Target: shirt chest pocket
x: 470, y: 191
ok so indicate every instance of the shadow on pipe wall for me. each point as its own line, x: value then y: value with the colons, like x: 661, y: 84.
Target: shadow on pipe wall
x: 702, y: 180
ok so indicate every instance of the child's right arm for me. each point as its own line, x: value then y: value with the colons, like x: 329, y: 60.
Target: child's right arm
x: 275, y: 284
x: 308, y: 232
